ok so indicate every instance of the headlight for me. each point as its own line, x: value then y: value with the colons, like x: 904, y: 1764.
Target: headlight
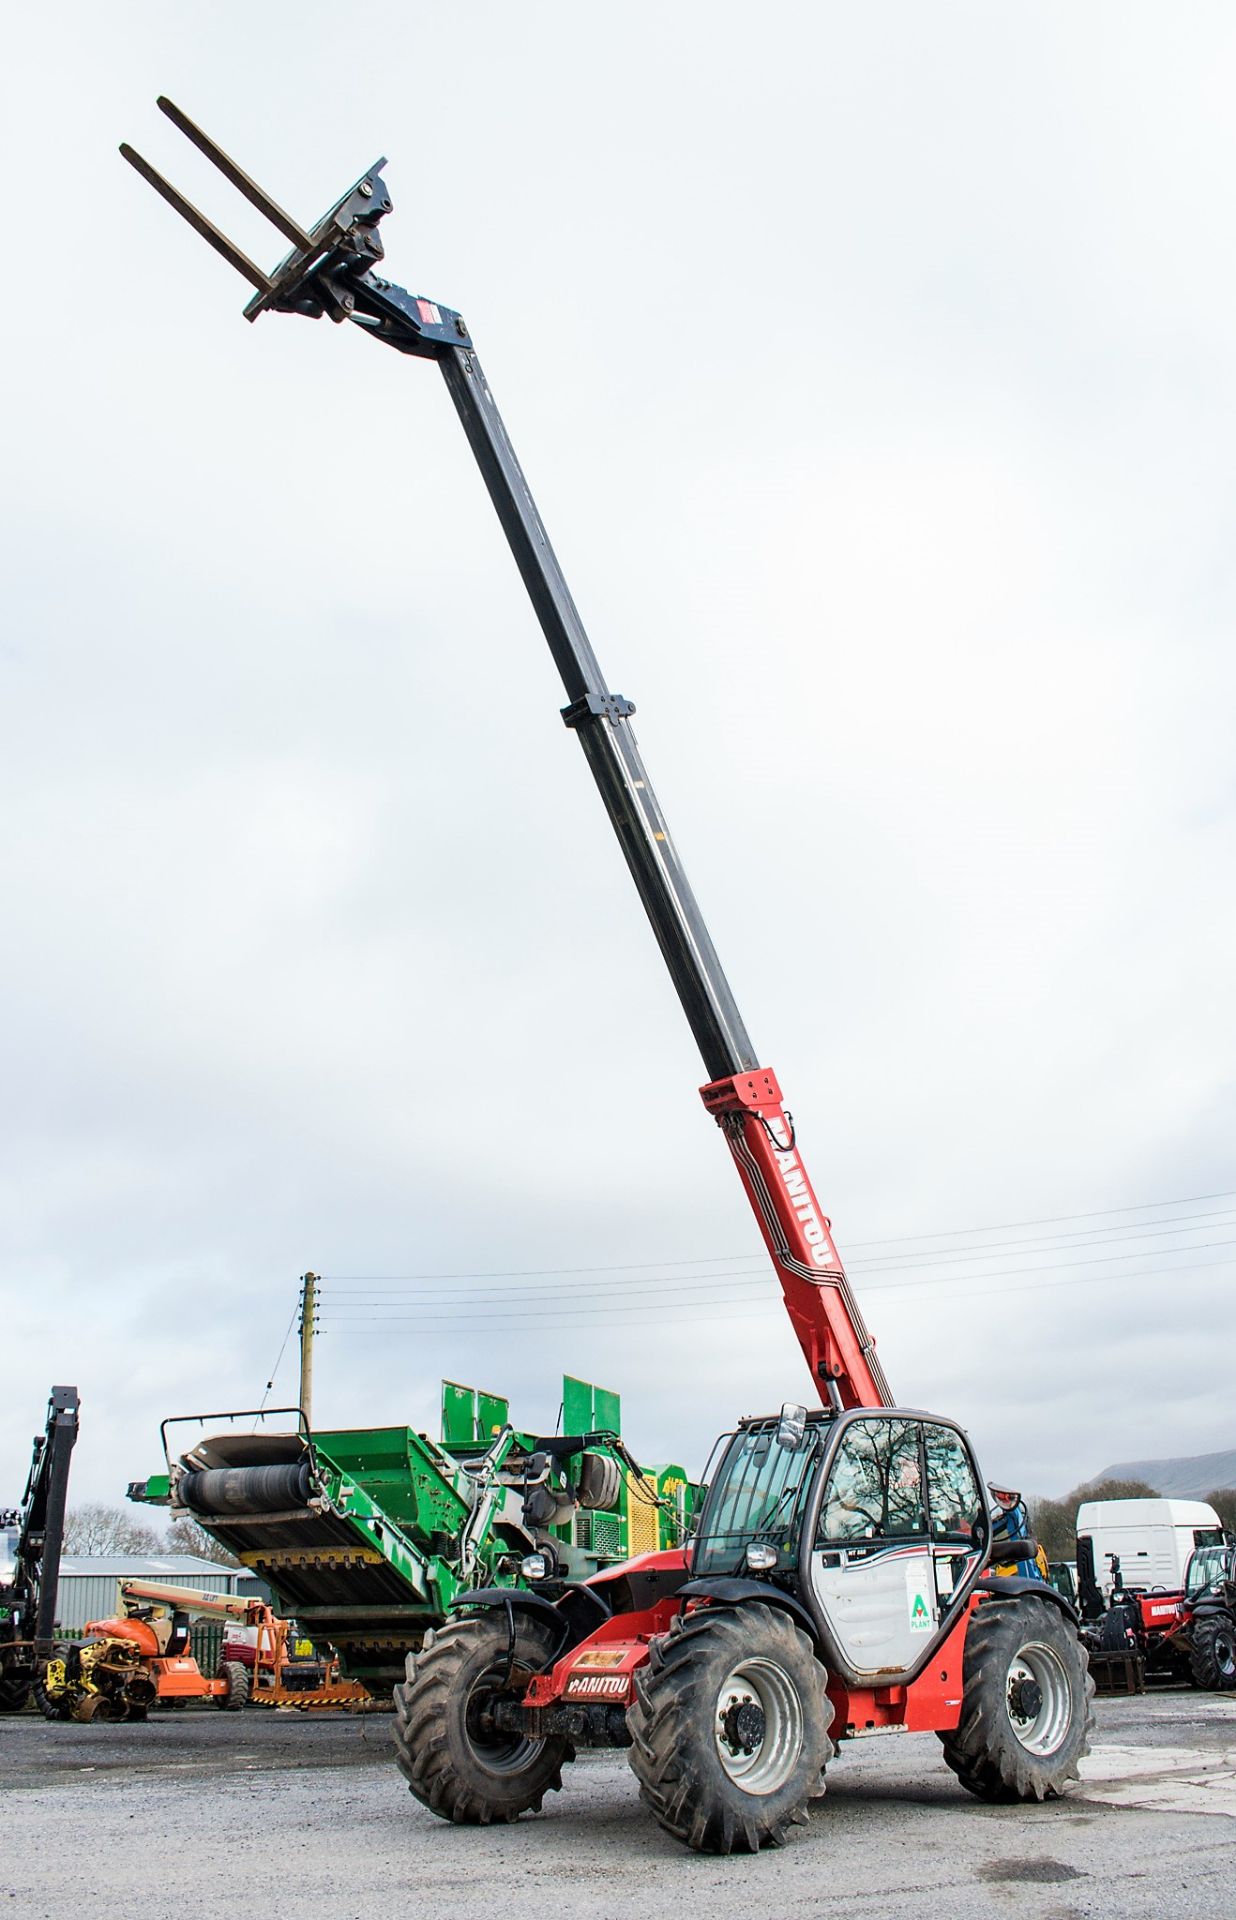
x: 534, y: 1566
x: 761, y: 1559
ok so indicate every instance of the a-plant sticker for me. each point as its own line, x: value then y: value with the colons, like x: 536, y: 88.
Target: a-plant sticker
x: 921, y: 1617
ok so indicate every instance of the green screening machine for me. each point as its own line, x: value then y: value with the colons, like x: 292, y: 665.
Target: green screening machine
x: 367, y: 1535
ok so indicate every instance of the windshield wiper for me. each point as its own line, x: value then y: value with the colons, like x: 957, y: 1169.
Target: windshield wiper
x: 774, y: 1512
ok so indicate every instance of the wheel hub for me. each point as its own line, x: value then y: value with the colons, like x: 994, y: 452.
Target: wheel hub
x: 493, y: 1747
x: 1038, y: 1698
x: 742, y: 1725
x: 758, y: 1725
x: 1025, y: 1699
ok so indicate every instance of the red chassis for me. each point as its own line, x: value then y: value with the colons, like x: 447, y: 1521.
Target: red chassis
x: 600, y: 1671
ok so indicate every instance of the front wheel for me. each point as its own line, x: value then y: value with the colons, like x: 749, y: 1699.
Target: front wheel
x: 456, y: 1761
x: 730, y: 1728
x: 1212, y: 1661
x: 235, y: 1695
x: 1026, y: 1711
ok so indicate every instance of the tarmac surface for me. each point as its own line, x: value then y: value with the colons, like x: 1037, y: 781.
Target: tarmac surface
x: 283, y: 1816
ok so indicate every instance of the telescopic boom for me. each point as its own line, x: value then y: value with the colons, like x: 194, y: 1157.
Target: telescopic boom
x: 331, y: 270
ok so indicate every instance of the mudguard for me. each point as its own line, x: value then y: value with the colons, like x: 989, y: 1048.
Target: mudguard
x: 574, y: 1614
x: 728, y: 1587
x: 517, y: 1598
x: 1208, y: 1608
x: 1012, y: 1586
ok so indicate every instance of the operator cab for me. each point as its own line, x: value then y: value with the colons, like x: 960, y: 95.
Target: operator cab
x: 874, y: 1520
x: 1208, y: 1567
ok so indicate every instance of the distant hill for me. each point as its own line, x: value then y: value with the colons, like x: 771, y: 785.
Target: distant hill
x: 1190, y: 1479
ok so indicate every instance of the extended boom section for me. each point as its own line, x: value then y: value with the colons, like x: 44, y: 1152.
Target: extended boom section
x: 331, y: 270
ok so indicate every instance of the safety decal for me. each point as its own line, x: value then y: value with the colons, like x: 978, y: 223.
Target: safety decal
x: 431, y: 316
x: 917, y: 1602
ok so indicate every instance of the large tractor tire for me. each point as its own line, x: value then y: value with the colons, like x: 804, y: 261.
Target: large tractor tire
x: 236, y: 1694
x: 1027, y: 1702
x: 454, y: 1759
x: 1212, y: 1659
x: 14, y: 1692
x: 730, y: 1728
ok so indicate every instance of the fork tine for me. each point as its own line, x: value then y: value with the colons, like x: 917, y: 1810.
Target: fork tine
x: 198, y: 221
x: 239, y: 179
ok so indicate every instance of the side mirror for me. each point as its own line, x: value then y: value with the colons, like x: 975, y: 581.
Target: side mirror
x: 791, y: 1427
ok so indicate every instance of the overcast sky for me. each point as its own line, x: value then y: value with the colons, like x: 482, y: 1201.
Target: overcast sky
x: 874, y: 371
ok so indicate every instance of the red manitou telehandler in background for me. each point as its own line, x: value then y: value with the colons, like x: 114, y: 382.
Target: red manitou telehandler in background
x: 838, y: 1582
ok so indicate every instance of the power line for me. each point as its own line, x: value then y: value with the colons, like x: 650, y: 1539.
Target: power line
x: 1054, y: 1220
x: 737, y: 1310
x: 598, y: 1310
x: 1142, y: 1230
x: 1007, y: 1226
x: 756, y: 1269
x: 283, y: 1348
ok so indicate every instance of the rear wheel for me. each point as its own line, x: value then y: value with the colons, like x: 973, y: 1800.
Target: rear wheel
x: 456, y: 1761
x: 14, y: 1692
x: 1027, y: 1712
x: 236, y: 1693
x: 730, y: 1728
x: 1212, y: 1661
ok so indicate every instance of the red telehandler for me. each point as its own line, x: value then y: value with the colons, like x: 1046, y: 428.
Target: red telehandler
x: 838, y: 1582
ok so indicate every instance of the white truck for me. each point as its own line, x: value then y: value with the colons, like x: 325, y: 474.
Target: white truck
x: 1152, y: 1539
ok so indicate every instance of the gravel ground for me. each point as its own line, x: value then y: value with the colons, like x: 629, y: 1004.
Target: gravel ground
x: 276, y: 1816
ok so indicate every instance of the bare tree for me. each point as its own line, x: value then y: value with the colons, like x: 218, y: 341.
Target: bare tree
x: 185, y: 1536
x: 1223, y: 1500
x: 96, y: 1528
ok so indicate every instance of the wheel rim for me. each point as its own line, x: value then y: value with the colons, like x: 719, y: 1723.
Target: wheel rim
x: 758, y: 1726
x: 496, y: 1751
x: 1038, y: 1698
x: 1225, y: 1653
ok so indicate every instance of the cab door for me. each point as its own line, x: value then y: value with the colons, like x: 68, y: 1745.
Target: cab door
x: 954, y: 1508
x: 872, y: 1562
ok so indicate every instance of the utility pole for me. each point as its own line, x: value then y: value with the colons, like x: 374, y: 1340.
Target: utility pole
x: 308, y: 1326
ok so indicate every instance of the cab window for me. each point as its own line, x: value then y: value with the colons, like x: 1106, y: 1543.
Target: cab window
x: 952, y: 1491
x: 1206, y: 1568
x: 875, y: 1487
